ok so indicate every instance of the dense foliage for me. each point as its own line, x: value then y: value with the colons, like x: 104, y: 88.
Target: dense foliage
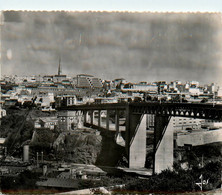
x: 179, y: 180
x: 26, y: 180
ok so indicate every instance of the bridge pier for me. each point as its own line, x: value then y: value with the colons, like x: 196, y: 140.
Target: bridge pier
x: 136, y: 125
x: 135, y: 139
x: 79, y: 120
x: 107, y: 119
x: 99, y: 118
x: 163, y: 144
x: 87, y: 117
x: 91, y: 116
x: 117, y: 121
x: 84, y: 117
x: 137, y: 145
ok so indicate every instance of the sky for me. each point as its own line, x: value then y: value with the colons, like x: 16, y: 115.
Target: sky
x: 111, y: 5
x: 136, y: 46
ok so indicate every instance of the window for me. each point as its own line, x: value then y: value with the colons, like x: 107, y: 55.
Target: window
x: 63, y: 119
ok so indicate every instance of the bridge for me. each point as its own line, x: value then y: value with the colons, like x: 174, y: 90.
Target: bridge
x: 135, y: 130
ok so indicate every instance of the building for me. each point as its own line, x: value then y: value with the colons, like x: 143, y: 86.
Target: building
x: 179, y: 123
x: 185, y: 123
x: 84, y: 81
x: 67, y: 100
x: 46, y: 122
x: 11, y: 102
x: 211, y: 124
x: 70, y: 120
x: 45, y: 101
x: 48, y: 78
x: 88, y: 81
x: 139, y: 87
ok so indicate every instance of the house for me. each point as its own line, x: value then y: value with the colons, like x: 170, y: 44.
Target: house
x: 46, y: 122
x: 70, y: 120
x: 11, y: 102
x: 45, y: 101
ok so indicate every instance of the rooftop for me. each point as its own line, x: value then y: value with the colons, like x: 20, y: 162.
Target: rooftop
x: 57, y: 182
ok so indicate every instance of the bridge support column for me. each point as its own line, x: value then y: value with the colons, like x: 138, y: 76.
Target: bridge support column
x: 137, y: 150
x: 117, y: 122
x: 135, y: 139
x: 79, y: 120
x: 91, y: 117
x: 84, y: 117
x: 99, y: 118
x: 88, y: 117
x: 163, y: 144
x: 107, y: 120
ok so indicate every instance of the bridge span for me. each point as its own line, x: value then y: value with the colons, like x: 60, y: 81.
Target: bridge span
x: 134, y: 118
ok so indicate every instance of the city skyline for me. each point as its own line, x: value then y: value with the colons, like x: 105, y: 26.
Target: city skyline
x: 137, y: 47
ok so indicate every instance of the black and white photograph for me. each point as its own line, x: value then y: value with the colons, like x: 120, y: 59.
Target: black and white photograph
x: 111, y: 98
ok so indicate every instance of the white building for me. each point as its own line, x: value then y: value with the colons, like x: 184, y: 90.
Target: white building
x: 45, y: 100
x: 185, y: 123
x: 211, y: 124
x: 46, y: 122
x: 136, y: 87
x: 195, y: 91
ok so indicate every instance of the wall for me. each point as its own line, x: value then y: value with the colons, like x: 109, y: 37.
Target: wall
x: 200, y: 138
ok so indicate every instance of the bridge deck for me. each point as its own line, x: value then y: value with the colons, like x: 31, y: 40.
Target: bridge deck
x: 195, y: 110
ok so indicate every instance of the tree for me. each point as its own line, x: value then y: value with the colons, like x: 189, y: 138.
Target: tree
x: 204, y: 100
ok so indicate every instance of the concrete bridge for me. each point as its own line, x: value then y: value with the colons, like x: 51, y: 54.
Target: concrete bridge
x: 135, y: 125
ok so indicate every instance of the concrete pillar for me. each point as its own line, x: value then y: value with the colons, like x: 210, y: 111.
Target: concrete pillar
x: 84, y: 117
x: 44, y: 170
x: 137, y: 150
x: 87, y: 117
x: 42, y: 156
x: 107, y: 120
x: 99, y: 118
x: 91, y: 117
x: 164, y: 149
x: 127, y: 130
x: 117, y: 122
x: 80, y: 121
x: 37, y: 159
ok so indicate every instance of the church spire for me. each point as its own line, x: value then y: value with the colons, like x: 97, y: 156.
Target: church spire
x: 59, y: 68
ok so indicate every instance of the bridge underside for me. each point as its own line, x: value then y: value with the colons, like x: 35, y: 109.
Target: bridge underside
x: 133, y: 123
x: 135, y: 128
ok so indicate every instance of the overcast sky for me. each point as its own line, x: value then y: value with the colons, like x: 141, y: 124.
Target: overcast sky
x: 136, y: 46
x: 122, y: 5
